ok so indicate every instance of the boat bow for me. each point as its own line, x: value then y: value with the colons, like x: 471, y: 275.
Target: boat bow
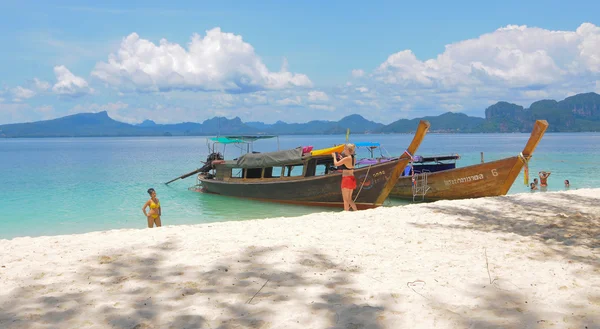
x: 403, y: 161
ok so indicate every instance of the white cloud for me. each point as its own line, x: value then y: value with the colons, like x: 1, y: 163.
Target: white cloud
x: 41, y: 85
x: 15, y: 113
x: 516, y: 63
x: 20, y: 93
x: 514, y: 56
x: 452, y: 107
x: 94, y: 107
x: 68, y: 84
x: 224, y: 100
x: 45, y: 108
x: 322, y: 107
x: 358, y: 73
x: 258, y: 98
x: 317, y: 96
x: 535, y: 94
x: 216, y: 62
x: 46, y: 112
x: 290, y: 101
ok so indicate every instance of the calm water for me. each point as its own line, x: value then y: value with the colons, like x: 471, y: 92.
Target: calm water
x: 73, y: 185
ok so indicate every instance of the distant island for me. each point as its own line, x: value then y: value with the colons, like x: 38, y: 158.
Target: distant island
x: 579, y: 113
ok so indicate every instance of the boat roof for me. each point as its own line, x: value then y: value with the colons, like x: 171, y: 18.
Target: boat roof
x: 238, y: 139
x: 437, y: 158
x: 268, y: 159
x: 367, y: 144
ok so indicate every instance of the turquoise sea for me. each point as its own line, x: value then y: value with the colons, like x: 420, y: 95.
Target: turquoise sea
x: 56, y: 186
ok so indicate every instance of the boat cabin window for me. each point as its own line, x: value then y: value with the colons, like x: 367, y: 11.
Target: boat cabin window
x: 318, y: 167
x: 252, y: 173
x: 273, y: 172
x: 294, y: 171
x: 237, y: 173
x: 322, y: 169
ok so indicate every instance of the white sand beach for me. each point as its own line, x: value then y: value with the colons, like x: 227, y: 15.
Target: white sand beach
x: 521, y: 261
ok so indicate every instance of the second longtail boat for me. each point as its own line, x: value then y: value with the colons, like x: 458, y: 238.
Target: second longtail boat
x: 494, y: 178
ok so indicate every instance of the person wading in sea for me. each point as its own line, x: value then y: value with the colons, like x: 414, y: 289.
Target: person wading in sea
x: 544, y: 178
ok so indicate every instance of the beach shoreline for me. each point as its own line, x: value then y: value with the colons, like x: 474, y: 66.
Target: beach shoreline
x: 523, y: 260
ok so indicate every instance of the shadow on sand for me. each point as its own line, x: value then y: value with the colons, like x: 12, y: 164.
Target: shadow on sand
x: 561, y: 226
x: 241, y: 291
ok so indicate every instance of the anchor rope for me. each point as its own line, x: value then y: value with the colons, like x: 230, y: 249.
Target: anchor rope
x: 363, y: 183
x: 526, y: 170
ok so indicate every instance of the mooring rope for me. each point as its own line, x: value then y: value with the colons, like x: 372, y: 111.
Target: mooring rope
x: 363, y: 183
x: 412, y: 170
x: 368, y: 169
x: 526, y: 171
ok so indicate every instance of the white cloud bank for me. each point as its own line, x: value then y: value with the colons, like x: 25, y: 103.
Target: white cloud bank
x: 68, y: 84
x: 41, y: 85
x: 216, y: 62
x: 20, y: 93
x: 513, y: 63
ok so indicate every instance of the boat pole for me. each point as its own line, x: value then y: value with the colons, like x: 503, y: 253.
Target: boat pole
x: 184, y: 176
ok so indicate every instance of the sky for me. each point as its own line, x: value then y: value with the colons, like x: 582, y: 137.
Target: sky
x: 291, y: 61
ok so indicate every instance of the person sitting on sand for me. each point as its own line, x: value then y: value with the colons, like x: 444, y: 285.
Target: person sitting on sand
x: 155, y: 211
x: 567, y: 184
x: 533, y: 186
x: 544, y: 178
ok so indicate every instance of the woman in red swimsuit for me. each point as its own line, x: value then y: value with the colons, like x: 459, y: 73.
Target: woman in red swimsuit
x: 348, y: 180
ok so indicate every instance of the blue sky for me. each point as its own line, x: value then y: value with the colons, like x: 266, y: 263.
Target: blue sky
x: 276, y: 60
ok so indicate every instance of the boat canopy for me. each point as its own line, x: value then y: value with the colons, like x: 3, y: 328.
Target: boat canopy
x: 269, y: 159
x: 240, y: 138
x: 367, y: 144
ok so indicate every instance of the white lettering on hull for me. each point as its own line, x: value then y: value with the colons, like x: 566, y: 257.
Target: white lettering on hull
x: 463, y: 180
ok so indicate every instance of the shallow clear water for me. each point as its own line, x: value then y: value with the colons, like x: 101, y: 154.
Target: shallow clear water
x: 71, y: 185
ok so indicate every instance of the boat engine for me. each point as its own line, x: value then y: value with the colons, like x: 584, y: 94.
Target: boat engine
x: 209, y: 160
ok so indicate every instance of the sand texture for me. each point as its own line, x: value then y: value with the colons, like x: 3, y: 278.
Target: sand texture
x: 522, y: 261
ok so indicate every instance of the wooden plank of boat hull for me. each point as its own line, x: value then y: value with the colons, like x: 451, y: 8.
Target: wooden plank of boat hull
x: 316, y: 190
x: 480, y: 180
x: 340, y: 204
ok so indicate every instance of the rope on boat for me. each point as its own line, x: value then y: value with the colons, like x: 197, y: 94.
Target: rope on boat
x: 368, y: 169
x: 363, y: 183
x: 526, y: 171
x: 412, y: 169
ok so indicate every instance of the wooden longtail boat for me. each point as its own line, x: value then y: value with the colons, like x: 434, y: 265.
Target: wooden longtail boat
x: 481, y: 180
x: 305, y: 179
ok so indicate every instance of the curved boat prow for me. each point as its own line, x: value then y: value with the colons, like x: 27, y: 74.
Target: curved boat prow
x: 539, y: 128
x: 403, y: 161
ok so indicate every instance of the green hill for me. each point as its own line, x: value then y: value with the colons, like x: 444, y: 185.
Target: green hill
x: 576, y: 113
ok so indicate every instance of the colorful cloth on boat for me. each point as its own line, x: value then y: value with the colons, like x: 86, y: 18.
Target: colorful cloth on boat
x: 338, y: 149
